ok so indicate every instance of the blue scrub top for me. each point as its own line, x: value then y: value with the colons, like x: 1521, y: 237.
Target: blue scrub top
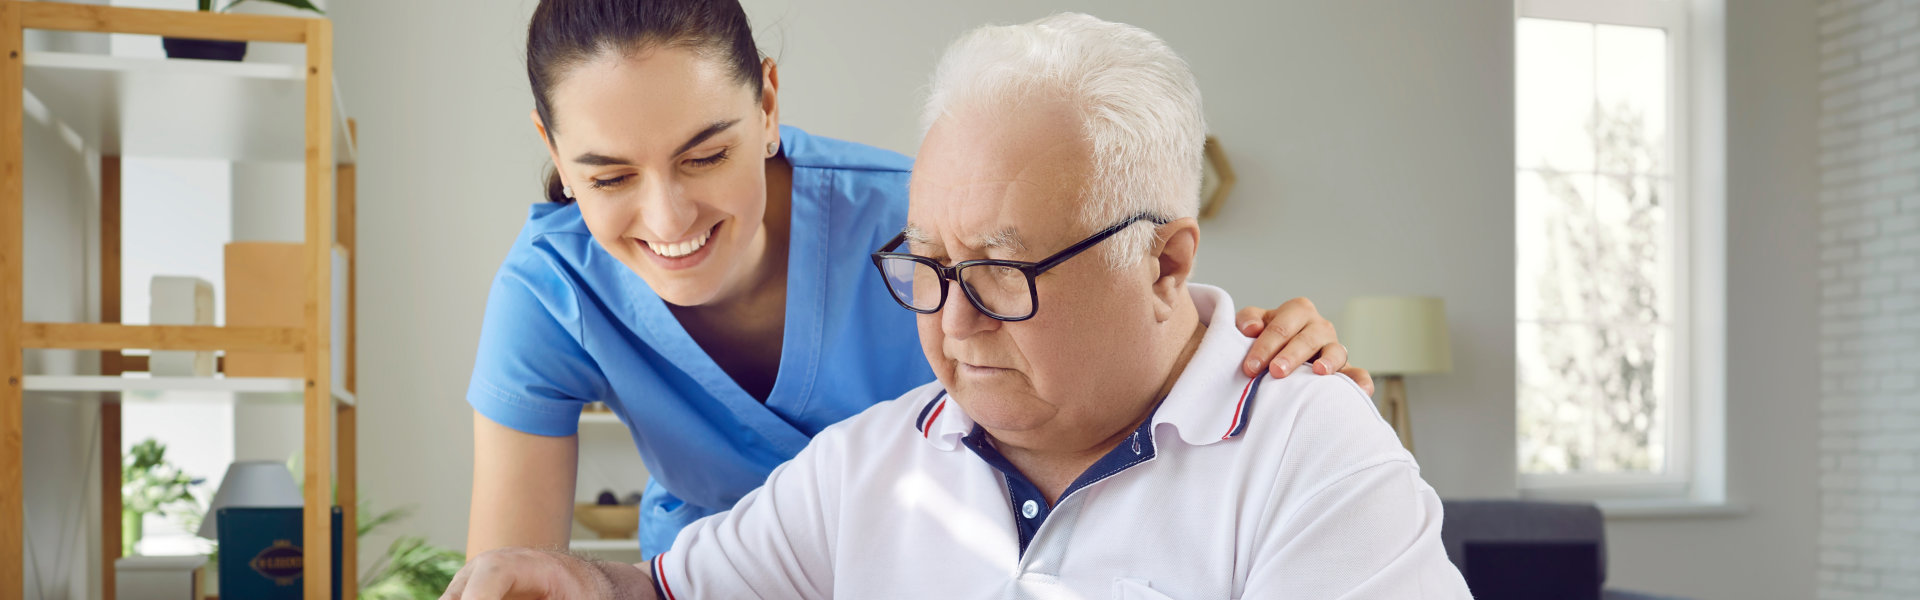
x: 568, y: 324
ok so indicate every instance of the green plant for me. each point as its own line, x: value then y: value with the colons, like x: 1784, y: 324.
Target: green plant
x: 149, y: 484
x: 207, y: 5
x: 411, y: 568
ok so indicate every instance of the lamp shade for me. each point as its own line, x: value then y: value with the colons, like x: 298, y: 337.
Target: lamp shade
x: 1397, y: 335
x: 251, y: 484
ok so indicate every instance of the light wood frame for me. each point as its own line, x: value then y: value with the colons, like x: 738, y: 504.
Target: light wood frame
x: 329, y: 202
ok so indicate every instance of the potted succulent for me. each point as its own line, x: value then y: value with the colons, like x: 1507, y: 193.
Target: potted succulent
x: 221, y: 49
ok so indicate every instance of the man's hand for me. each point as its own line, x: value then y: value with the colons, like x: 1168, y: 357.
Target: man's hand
x: 1291, y: 335
x: 526, y: 573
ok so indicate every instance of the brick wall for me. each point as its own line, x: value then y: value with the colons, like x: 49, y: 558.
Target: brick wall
x: 1870, y: 299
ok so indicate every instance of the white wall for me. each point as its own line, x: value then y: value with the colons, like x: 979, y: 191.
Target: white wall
x: 448, y: 164
x: 1374, y: 147
x: 1870, y: 309
x: 1772, y: 303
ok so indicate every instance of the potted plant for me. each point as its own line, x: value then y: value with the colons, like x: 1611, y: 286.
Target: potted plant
x: 221, y: 49
x: 411, y: 568
x: 149, y: 484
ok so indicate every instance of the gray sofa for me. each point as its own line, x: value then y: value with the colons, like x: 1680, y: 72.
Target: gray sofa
x: 1528, y: 521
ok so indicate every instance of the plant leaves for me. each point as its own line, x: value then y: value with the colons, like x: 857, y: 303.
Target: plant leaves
x: 149, y: 484
x: 411, y: 569
x: 370, y: 520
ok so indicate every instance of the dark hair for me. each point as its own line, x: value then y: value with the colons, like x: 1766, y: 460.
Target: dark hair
x: 565, y: 33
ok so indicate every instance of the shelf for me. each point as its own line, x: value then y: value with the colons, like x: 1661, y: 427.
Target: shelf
x: 599, y: 417
x: 177, y: 108
x: 598, y: 545
x: 263, y: 389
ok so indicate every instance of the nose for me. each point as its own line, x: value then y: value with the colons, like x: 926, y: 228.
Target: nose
x: 960, y: 319
x: 666, y: 214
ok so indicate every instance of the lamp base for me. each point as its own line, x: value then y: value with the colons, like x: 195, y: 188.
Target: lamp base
x: 1393, y: 406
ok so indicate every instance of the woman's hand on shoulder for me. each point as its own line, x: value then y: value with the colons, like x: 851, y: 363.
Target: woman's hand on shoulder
x: 1293, y: 335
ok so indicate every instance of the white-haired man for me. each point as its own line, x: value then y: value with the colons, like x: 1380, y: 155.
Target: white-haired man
x: 1091, y: 433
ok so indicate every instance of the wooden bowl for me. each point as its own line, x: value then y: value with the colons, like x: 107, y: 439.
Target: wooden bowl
x: 611, y: 522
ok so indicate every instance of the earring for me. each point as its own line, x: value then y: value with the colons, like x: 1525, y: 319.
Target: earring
x: 772, y: 147
x: 566, y: 191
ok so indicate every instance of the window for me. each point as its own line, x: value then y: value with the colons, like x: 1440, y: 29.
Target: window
x: 1602, y: 264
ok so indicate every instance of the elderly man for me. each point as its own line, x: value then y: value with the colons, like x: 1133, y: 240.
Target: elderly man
x: 1091, y: 433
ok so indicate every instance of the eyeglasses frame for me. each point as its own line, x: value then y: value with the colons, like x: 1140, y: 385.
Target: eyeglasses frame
x: 1031, y: 269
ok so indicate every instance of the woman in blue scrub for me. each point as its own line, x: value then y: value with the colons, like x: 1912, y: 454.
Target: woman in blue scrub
x: 703, y: 271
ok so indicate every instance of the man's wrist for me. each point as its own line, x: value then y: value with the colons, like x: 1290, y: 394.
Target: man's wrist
x: 623, y: 581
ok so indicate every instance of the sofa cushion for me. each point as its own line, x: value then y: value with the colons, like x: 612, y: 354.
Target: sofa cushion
x: 1521, y: 521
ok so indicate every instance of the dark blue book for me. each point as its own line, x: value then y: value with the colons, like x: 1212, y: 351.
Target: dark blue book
x: 261, y: 554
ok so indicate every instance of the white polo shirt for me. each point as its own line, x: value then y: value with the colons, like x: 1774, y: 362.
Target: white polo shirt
x: 1235, y: 488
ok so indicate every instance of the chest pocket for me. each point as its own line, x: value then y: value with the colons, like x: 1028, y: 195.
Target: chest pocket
x: 1135, y: 589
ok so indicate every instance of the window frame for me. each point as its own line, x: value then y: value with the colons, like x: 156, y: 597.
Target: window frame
x: 1694, y: 455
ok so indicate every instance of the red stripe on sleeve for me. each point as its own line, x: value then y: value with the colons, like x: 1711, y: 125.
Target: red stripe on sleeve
x: 660, y: 575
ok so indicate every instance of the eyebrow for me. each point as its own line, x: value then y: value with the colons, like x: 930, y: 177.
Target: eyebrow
x: 1005, y: 239
x: 915, y: 234
x: 710, y: 131
x: 602, y: 160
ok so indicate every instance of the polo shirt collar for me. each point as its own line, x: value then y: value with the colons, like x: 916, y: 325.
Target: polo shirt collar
x: 942, y: 423
x: 1210, y: 402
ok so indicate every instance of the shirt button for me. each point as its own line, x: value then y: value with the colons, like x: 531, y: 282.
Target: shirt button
x: 1029, y: 509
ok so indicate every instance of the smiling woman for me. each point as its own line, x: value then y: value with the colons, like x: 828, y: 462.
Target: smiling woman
x: 666, y: 176
x: 703, y: 271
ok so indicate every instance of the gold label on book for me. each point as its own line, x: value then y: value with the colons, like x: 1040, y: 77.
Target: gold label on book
x: 280, y: 562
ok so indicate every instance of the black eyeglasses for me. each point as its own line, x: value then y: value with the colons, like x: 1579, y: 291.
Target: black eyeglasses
x: 1001, y: 289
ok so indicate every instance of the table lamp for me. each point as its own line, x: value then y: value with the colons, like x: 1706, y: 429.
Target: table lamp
x: 1396, y: 336
x: 251, y: 484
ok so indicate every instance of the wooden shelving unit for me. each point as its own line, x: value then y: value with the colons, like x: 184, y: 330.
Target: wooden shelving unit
x: 236, y: 117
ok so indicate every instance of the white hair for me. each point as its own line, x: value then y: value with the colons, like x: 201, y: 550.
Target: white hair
x: 1138, y: 103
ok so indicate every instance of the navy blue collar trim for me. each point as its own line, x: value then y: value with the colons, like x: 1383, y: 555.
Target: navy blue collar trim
x: 1138, y: 448
x: 1244, y: 412
x: 921, y: 422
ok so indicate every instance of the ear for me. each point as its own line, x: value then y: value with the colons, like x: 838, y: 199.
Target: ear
x: 770, y: 98
x: 547, y: 140
x: 1173, y: 258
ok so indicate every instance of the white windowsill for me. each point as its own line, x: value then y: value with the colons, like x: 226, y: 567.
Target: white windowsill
x: 1669, y: 509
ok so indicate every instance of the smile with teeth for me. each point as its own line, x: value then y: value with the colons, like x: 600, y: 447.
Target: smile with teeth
x: 679, y: 249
